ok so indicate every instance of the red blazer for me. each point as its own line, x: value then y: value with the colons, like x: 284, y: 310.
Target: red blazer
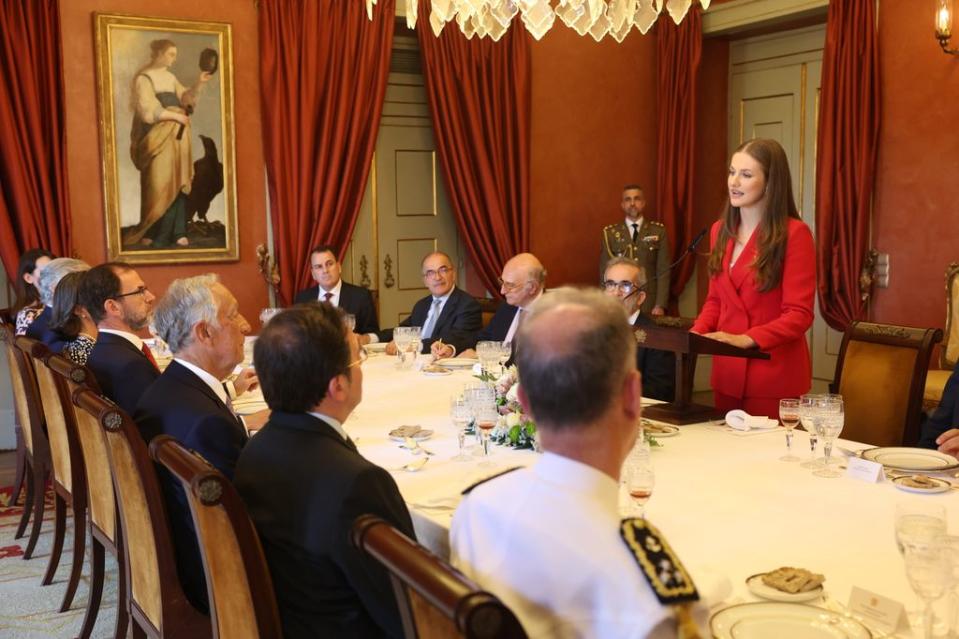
x: 777, y: 320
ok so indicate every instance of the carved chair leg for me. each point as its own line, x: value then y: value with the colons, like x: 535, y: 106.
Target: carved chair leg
x: 138, y: 632
x: 79, y: 543
x: 40, y: 472
x: 59, y: 524
x: 123, y: 605
x: 21, y: 475
x: 27, y: 502
x: 96, y: 588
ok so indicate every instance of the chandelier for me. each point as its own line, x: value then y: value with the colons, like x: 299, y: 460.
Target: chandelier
x: 598, y: 18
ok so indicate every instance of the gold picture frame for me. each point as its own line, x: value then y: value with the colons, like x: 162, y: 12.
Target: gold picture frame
x: 168, y: 144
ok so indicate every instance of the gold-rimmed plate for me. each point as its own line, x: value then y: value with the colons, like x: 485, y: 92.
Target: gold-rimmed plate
x: 766, y: 619
x: 912, y: 459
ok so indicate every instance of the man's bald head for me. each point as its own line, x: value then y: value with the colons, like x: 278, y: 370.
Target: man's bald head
x: 573, y: 354
x: 523, y: 279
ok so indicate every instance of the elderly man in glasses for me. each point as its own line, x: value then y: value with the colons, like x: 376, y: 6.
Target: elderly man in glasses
x: 446, y: 315
x: 521, y: 283
x: 625, y: 280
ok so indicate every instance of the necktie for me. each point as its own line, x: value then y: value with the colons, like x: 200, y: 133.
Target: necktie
x: 327, y: 297
x: 431, y: 320
x: 635, y: 231
x: 149, y: 355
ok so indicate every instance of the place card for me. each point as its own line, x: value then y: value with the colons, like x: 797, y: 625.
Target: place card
x: 882, y: 612
x: 864, y: 470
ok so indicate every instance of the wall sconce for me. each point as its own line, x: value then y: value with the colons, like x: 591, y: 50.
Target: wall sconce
x: 944, y: 25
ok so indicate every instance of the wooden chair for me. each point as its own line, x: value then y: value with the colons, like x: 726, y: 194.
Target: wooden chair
x: 949, y: 353
x: 103, y: 526
x: 240, y: 589
x: 488, y: 307
x: 881, y: 372
x: 7, y: 319
x: 69, y: 480
x: 435, y: 599
x: 156, y: 603
x: 37, y: 460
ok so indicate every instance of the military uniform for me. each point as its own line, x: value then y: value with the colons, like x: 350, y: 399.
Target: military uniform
x: 650, y: 248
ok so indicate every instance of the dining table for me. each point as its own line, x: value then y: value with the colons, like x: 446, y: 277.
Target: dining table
x: 723, y: 499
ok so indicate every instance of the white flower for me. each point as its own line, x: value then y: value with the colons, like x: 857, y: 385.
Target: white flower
x: 512, y: 420
x: 511, y: 395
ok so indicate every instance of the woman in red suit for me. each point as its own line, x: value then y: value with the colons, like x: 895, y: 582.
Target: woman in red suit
x: 762, y: 279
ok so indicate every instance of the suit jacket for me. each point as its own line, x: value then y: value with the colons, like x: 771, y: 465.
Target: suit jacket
x: 122, y: 371
x: 946, y: 415
x: 499, y: 325
x: 180, y: 404
x: 777, y: 319
x: 355, y: 300
x: 657, y: 367
x: 304, y: 485
x: 650, y: 248
x: 458, y: 324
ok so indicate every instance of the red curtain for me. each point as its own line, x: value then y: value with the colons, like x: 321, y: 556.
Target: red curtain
x: 679, y: 49
x: 846, y: 159
x: 479, y: 94
x: 34, y: 207
x: 323, y: 72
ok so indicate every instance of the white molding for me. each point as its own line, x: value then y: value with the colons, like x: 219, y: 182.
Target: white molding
x: 730, y: 16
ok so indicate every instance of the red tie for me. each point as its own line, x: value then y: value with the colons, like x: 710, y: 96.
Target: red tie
x: 149, y: 355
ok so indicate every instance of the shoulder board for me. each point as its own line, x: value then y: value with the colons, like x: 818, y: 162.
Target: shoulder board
x: 655, y: 223
x: 662, y: 568
x: 468, y: 489
x: 609, y: 227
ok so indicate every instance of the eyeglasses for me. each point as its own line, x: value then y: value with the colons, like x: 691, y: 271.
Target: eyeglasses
x: 363, y: 356
x: 510, y: 286
x: 140, y: 290
x: 624, y: 287
x: 443, y: 270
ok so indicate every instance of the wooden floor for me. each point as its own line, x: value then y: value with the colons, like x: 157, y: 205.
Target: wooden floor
x: 8, y: 467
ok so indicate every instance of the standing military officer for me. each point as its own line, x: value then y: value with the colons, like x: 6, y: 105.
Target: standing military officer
x: 644, y: 241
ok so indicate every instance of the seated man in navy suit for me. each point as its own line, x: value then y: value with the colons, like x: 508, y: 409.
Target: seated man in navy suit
x: 121, y: 304
x: 447, y: 314
x: 941, y: 430
x: 47, y: 282
x: 625, y: 279
x: 201, y: 322
x: 521, y: 283
x: 330, y: 287
x: 304, y: 482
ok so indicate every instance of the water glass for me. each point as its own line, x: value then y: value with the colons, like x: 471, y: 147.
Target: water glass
x: 919, y: 525
x: 829, y: 423
x: 929, y: 573
x: 268, y: 313
x: 460, y: 415
x: 639, y: 479
x: 789, y: 416
x: 807, y: 406
x: 488, y: 354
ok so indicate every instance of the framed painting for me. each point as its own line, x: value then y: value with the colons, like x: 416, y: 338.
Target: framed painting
x: 166, y: 124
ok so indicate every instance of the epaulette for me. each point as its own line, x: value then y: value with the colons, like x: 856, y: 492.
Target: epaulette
x: 665, y: 573
x: 655, y: 223
x: 468, y: 489
x: 608, y: 227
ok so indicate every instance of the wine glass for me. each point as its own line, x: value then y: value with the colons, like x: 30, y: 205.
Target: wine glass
x: 789, y: 416
x: 640, y: 480
x: 929, y: 573
x: 460, y: 414
x: 402, y: 339
x: 414, y: 346
x: 350, y: 320
x: 919, y: 525
x: 486, y: 418
x: 504, y: 352
x: 807, y: 415
x: 831, y: 418
x: 267, y: 313
x: 488, y: 355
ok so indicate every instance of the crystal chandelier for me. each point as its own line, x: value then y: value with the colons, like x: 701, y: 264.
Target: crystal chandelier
x: 491, y: 18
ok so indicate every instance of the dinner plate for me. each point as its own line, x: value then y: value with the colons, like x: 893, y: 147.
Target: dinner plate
x: 758, y: 588
x: 766, y: 619
x: 903, y: 458
x: 458, y: 362
x: 420, y: 435
x: 941, y: 485
x: 662, y: 430
x: 440, y: 373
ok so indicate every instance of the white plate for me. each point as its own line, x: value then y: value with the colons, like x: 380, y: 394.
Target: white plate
x: 419, y: 436
x: 458, y: 362
x: 378, y: 347
x: 766, y: 619
x: 902, y: 458
x: 437, y: 373
x: 758, y: 588
x: 668, y: 430
x: 942, y: 486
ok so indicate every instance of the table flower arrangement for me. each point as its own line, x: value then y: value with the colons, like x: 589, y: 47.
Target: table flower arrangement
x: 515, y: 428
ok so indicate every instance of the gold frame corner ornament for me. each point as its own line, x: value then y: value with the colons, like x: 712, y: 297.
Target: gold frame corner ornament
x: 106, y: 25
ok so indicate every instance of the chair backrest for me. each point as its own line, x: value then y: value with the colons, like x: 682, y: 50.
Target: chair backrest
x: 949, y: 354
x: 488, y: 307
x: 61, y: 432
x: 435, y: 599
x: 6, y: 316
x: 155, y: 593
x: 26, y: 396
x: 240, y: 589
x: 70, y: 378
x: 881, y: 373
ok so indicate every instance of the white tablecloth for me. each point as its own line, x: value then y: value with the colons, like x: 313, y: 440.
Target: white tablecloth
x: 725, y: 502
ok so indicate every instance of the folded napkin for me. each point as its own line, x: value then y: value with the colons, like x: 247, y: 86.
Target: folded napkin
x: 741, y: 420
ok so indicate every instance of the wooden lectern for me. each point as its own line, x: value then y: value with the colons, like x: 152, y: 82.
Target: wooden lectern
x: 687, y: 346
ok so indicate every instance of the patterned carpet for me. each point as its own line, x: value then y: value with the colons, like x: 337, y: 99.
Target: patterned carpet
x: 29, y: 610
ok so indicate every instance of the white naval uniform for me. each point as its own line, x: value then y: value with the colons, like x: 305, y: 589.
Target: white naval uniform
x: 546, y: 540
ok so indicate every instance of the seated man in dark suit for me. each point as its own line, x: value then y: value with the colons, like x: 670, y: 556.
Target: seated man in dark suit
x: 941, y: 430
x: 201, y: 322
x: 625, y: 279
x: 121, y: 305
x: 447, y: 314
x: 304, y: 483
x: 521, y: 283
x: 330, y: 287
x: 47, y: 282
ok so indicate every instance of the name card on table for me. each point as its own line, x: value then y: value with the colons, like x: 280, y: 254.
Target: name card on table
x: 881, y: 612
x: 864, y: 470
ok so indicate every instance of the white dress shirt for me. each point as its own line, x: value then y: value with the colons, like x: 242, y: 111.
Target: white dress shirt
x: 546, y: 540
x: 514, y: 325
x: 215, y: 385
x: 629, y: 226
x: 335, y: 300
x: 130, y: 337
x: 335, y: 423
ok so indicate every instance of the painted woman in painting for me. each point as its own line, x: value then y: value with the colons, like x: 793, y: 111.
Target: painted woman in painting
x: 160, y: 147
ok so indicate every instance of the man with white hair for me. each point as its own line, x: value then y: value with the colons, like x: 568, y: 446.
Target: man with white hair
x: 47, y: 282
x: 200, y: 321
x: 548, y: 539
